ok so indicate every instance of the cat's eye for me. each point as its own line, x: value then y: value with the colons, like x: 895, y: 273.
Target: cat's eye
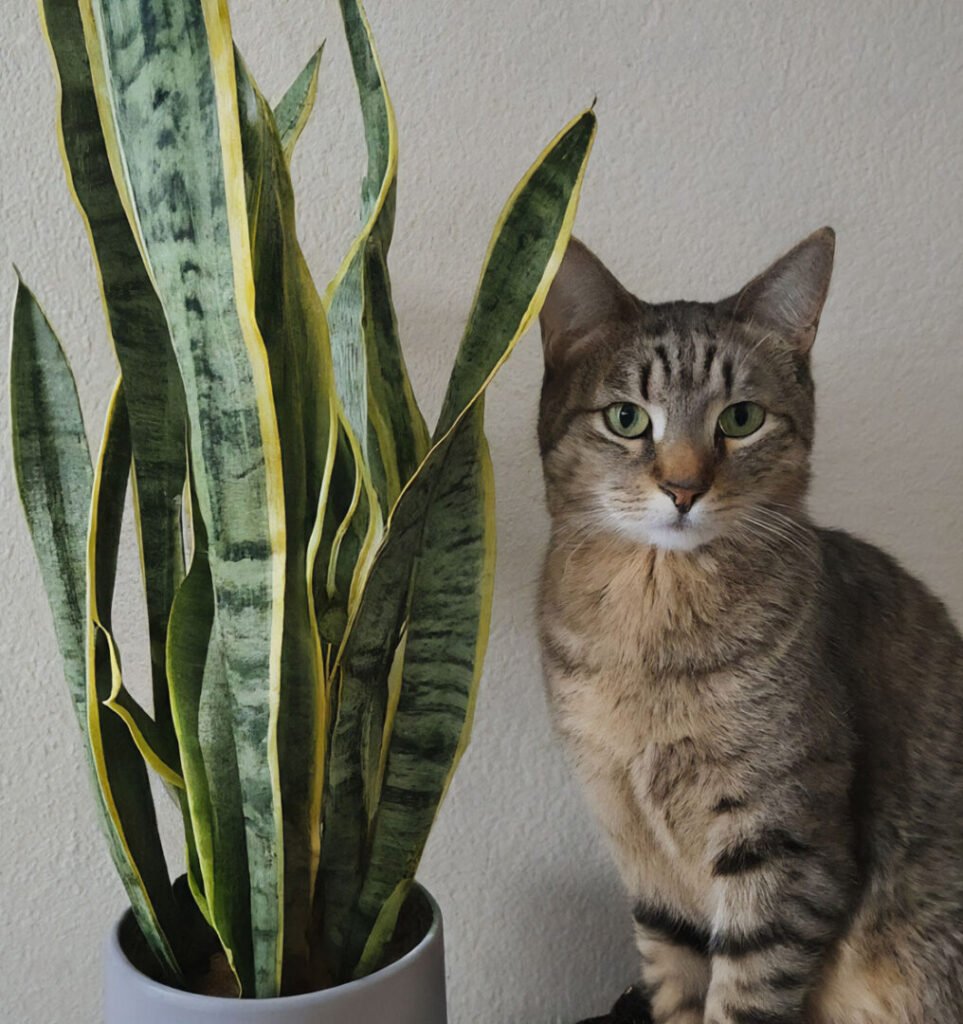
x: 741, y: 419
x: 626, y: 419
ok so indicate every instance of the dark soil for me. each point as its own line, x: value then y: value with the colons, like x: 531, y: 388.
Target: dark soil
x: 413, y: 924
x: 214, y: 977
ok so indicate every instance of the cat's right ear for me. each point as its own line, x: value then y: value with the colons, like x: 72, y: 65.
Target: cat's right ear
x: 583, y: 297
x: 787, y: 298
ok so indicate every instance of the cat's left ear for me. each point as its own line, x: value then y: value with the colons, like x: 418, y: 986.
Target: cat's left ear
x: 584, y: 296
x: 788, y: 297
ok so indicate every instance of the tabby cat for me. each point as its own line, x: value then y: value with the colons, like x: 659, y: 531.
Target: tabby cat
x: 767, y: 716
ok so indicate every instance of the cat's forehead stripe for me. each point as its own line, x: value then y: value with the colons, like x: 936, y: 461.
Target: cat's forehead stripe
x: 707, y: 360
x: 644, y: 372
x: 666, y: 365
x: 684, y: 363
x: 727, y: 371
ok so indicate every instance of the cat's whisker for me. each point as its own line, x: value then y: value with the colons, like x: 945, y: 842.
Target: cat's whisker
x: 781, y: 532
x: 758, y: 518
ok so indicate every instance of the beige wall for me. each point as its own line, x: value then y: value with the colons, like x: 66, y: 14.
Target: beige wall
x: 727, y: 132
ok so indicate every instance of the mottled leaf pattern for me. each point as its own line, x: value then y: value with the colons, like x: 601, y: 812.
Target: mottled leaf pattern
x: 448, y: 518
x: 139, y: 334
x: 369, y: 367
x: 52, y: 463
x: 292, y: 112
x: 55, y: 479
x: 503, y: 307
x: 201, y: 702
x: 291, y: 320
x: 169, y: 78
x: 525, y: 252
x: 118, y: 764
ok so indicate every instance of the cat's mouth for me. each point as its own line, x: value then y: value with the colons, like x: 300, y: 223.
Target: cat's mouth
x: 670, y: 531
x: 681, y: 533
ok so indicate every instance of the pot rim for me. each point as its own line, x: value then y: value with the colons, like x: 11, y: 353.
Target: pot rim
x: 176, y: 996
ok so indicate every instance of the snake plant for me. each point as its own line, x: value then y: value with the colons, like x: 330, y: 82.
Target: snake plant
x: 317, y: 563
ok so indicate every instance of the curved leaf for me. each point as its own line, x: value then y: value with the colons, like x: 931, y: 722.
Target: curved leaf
x: 292, y: 112
x: 52, y: 464
x: 530, y: 237
x: 201, y: 703
x: 448, y: 615
x: 525, y: 252
x: 119, y: 767
x: 55, y: 478
x: 369, y: 366
x: 165, y: 83
x: 138, y: 332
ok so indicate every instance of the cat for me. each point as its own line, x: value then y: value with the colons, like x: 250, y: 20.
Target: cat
x: 767, y: 716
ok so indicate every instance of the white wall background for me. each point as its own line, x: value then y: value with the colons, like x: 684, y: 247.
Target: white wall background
x: 727, y: 132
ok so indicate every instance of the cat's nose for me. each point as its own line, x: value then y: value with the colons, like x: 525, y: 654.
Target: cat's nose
x: 684, y: 495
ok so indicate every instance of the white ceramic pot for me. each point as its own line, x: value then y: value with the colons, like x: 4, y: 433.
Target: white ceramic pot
x: 409, y: 991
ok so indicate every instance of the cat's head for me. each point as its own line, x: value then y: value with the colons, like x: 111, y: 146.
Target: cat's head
x: 678, y: 423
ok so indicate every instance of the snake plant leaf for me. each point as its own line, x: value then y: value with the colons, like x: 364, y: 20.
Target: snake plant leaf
x: 531, y: 236
x: 370, y: 370
x: 201, y: 701
x: 292, y: 112
x: 448, y: 616
x: 120, y: 770
x: 140, y: 338
x: 166, y: 90
x: 399, y: 429
x: 292, y: 323
x: 55, y: 478
x: 159, y: 749
x: 52, y: 464
x: 523, y: 256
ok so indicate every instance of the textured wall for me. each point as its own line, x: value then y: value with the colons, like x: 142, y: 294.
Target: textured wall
x: 727, y: 132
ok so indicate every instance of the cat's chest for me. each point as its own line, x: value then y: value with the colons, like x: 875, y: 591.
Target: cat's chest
x: 642, y: 615
x: 645, y: 720
x: 647, y: 752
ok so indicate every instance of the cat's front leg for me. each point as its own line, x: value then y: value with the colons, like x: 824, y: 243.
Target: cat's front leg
x: 675, y: 967
x: 781, y: 904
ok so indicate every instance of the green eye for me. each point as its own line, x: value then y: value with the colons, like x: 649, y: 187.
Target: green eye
x: 742, y: 419
x: 626, y: 419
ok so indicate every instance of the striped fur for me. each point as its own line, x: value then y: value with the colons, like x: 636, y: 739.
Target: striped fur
x: 766, y: 715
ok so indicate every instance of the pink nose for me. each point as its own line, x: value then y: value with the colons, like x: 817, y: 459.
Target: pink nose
x: 684, y: 495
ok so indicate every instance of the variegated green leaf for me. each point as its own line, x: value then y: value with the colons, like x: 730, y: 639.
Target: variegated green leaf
x: 524, y: 254
x: 156, y: 408
x: 55, y: 478
x: 118, y: 764
x: 369, y: 367
x: 201, y: 702
x: 165, y: 84
x: 292, y: 112
x: 450, y: 523
x: 54, y: 475
x: 139, y: 334
x: 292, y: 323
x: 530, y: 237
x: 398, y: 427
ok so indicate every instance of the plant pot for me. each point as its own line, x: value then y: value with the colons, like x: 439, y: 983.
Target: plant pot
x: 409, y: 991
